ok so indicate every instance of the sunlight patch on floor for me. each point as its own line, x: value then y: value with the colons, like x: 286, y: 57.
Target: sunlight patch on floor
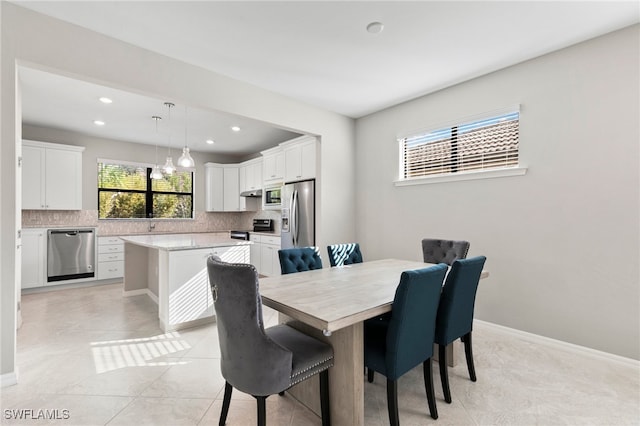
x: 140, y: 352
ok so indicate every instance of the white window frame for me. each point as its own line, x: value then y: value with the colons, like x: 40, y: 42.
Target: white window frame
x: 515, y: 170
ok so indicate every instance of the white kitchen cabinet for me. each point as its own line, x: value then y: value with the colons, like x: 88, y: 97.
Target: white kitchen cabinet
x: 222, y: 187
x: 51, y: 176
x: 250, y: 180
x: 253, y: 175
x: 264, y: 254
x: 33, y: 248
x: 214, y: 188
x: 110, y: 258
x: 255, y: 251
x: 273, y: 166
x: 231, y: 191
x: 299, y: 159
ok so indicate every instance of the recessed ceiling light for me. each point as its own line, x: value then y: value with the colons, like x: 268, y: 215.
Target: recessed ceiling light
x: 105, y: 100
x: 98, y: 122
x: 210, y: 141
x: 235, y: 128
x: 375, y: 27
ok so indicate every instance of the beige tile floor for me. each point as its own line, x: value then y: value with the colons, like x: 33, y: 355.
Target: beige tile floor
x: 103, y: 358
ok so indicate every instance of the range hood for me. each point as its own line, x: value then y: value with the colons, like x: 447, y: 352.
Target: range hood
x: 253, y: 193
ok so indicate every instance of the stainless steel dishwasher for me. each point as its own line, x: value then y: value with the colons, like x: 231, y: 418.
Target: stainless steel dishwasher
x: 71, y: 254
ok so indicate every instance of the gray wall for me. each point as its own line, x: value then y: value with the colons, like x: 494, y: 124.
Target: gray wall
x: 37, y: 41
x: 562, y: 242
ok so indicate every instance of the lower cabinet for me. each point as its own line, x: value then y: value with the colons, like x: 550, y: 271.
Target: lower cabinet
x: 255, y: 251
x: 110, y: 258
x: 264, y: 254
x: 33, y: 257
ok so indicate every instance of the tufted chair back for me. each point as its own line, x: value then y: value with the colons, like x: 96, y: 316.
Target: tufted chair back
x: 344, y: 254
x: 443, y: 251
x: 299, y: 259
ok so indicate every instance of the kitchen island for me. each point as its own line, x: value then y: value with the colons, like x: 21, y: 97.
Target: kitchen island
x: 172, y: 270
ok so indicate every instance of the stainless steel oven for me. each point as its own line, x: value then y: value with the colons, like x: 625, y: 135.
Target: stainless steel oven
x: 71, y: 254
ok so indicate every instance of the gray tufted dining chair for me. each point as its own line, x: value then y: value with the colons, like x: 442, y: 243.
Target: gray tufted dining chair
x: 255, y: 360
x: 443, y: 251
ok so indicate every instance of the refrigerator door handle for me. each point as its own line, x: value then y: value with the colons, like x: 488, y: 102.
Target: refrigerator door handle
x: 294, y: 217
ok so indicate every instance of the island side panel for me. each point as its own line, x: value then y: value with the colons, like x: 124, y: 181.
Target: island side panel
x: 135, y: 269
x: 153, y: 275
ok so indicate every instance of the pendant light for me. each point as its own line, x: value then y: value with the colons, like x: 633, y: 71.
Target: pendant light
x: 185, y: 159
x: 168, y: 167
x: 156, y: 173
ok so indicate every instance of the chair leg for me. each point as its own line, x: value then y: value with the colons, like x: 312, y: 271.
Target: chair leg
x: 392, y: 402
x: 225, y: 403
x: 468, y: 352
x: 262, y: 410
x: 444, y: 375
x: 325, y: 408
x: 370, y: 374
x: 428, y: 385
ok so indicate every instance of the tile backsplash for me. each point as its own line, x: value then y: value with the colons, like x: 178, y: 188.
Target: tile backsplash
x: 203, y: 222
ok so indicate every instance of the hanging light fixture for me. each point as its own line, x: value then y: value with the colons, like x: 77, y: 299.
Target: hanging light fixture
x: 155, y: 172
x: 185, y: 159
x: 168, y: 167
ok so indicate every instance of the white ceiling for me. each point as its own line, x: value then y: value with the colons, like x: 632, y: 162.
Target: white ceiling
x: 320, y: 52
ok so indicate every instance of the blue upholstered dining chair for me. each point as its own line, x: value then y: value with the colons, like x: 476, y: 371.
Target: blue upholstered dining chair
x: 254, y: 360
x: 443, y: 251
x: 394, y: 347
x: 344, y: 254
x: 455, y: 314
x: 299, y: 259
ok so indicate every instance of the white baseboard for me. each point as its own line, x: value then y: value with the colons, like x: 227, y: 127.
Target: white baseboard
x: 547, y: 341
x: 9, y: 379
x: 139, y: 292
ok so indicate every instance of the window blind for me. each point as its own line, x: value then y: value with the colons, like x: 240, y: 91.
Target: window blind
x: 489, y: 143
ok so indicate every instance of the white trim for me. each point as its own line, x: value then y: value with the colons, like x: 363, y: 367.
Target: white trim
x: 456, y: 177
x: 9, y: 379
x: 559, y: 344
x: 139, y: 292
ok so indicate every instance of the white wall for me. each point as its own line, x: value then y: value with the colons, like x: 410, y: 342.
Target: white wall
x: 38, y: 41
x: 562, y: 242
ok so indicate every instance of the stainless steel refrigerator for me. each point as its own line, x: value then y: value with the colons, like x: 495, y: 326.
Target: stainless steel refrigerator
x: 298, y: 214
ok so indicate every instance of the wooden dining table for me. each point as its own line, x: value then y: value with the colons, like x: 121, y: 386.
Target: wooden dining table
x: 332, y: 305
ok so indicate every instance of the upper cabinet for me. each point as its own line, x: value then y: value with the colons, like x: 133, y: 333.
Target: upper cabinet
x: 273, y: 166
x: 51, y: 176
x: 252, y: 171
x: 299, y: 158
x: 222, y: 187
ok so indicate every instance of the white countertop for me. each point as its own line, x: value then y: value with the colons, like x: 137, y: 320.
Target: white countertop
x: 183, y: 241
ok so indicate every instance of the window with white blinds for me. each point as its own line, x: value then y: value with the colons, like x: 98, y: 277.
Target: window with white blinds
x: 476, y: 145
